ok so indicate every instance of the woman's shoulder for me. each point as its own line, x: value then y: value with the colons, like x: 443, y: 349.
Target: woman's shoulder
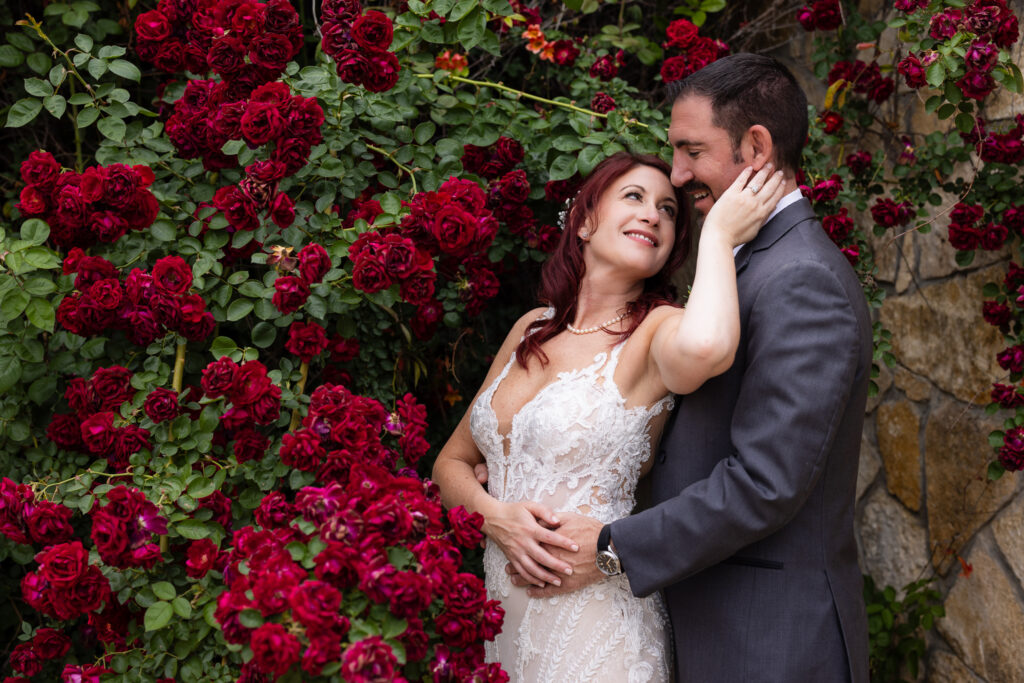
x: 659, y: 313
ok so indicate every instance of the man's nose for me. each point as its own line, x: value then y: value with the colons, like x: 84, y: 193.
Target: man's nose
x: 681, y: 173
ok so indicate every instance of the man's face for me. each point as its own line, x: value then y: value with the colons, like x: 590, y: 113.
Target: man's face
x: 703, y: 161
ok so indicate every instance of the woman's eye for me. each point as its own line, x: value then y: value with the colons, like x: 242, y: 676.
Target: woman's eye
x: 670, y: 211
x: 632, y: 195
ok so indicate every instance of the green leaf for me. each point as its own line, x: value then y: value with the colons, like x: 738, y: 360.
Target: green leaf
x: 263, y: 334
x: 56, y: 105
x: 41, y: 257
x: 10, y: 372
x: 935, y: 73
x: 83, y: 42
x: 37, y: 87
x: 87, y: 116
x: 995, y: 470
x: 250, y: 618
x: 223, y: 346
x: 39, y: 62
x: 239, y: 308
x: 201, y: 488
x: 192, y: 529
x: 35, y: 231
x: 96, y: 68
x: 164, y: 230
x: 564, y: 167
x: 164, y: 590
x: 158, y: 615
x: 40, y: 313
x: 23, y: 111
x: 43, y: 390
x: 424, y: 132
x: 10, y: 57
x: 14, y: 304
x: 964, y: 122
x: 39, y: 286
x: 112, y: 128
x: 472, y: 28
x: 125, y: 69
x: 182, y: 607
x: 590, y: 157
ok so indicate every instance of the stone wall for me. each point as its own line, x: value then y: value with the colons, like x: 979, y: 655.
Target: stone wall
x: 925, y: 505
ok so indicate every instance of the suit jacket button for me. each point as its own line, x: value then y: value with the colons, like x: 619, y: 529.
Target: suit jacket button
x: 662, y: 456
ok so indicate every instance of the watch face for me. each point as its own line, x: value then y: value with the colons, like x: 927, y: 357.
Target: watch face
x: 608, y: 563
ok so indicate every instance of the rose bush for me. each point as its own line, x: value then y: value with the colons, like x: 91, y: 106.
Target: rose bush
x: 237, y: 291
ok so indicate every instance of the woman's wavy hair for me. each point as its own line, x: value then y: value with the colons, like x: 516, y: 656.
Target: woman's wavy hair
x: 563, y: 272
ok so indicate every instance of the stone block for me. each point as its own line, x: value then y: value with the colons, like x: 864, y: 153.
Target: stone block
x: 869, y: 464
x: 1008, y: 530
x: 984, y: 622
x: 938, y: 332
x: 893, y: 542
x: 958, y: 495
x: 915, y: 388
x: 898, y: 428
x: 945, y: 667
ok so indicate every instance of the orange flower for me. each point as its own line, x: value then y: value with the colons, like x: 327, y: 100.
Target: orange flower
x: 452, y: 62
x: 548, y: 52
x: 536, y: 39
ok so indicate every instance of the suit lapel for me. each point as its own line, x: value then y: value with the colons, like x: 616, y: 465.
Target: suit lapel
x: 794, y: 214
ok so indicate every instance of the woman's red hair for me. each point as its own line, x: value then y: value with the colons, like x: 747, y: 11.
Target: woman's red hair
x: 563, y: 271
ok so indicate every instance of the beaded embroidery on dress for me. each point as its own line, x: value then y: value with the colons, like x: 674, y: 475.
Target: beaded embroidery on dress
x: 574, y: 446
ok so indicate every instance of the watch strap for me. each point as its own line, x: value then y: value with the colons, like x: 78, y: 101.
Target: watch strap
x: 604, y: 538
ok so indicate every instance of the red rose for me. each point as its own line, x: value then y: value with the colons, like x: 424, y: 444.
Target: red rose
x: 32, y: 202
x: 112, y: 387
x: 238, y: 208
x: 302, y: 450
x: 290, y: 293
x: 202, y: 557
x: 832, y: 121
x: 306, y: 340
x: 858, y: 162
x: 368, y: 660
x: 64, y: 564
x: 838, y: 226
x: 250, y: 383
x: 602, y: 103
x: 274, y: 511
x: 262, y: 122
x: 271, y: 51
x: 976, y: 84
x: 250, y: 445
x: 227, y: 56
x: 315, y: 605
x: 604, y: 68
x: 373, y: 31
x: 48, y: 523
x: 282, y: 211
x: 141, y: 211
x: 219, y: 377
x: 106, y: 293
x: 680, y: 34
x: 674, y: 68
x: 888, y: 213
x: 369, y: 274
x: 418, y: 288
x: 565, y: 52
x: 994, y: 236
x: 65, y: 431
x: 50, y: 643
x: 152, y: 25
x: 827, y: 190
x: 107, y: 226
x: 381, y: 71
x: 466, y: 526
x: 275, y: 650
x: 25, y: 660
x: 454, y: 229
x: 161, y: 405
x: 313, y: 262
x: 996, y: 314
x: 172, y: 275
x: 40, y: 170
x: 963, y: 237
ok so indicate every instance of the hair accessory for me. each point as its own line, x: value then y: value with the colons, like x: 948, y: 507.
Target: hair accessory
x: 595, y: 328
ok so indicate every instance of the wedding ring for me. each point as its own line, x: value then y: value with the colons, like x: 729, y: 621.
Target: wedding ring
x: 754, y: 189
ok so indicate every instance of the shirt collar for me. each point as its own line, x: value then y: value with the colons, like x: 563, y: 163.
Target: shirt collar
x: 788, y: 199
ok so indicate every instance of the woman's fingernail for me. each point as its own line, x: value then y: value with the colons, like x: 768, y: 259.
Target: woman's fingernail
x: 575, y: 547
x: 568, y: 571
x: 554, y: 520
x: 557, y: 582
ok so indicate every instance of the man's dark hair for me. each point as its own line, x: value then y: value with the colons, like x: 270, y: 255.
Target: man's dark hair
x: 747, y: 89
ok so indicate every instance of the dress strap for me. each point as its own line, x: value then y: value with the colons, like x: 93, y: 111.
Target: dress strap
x: 608, y: 371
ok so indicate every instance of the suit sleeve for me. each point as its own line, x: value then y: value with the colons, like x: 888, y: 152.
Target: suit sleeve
x: 802, y: 344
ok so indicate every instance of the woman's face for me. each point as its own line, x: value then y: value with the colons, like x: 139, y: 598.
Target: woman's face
x: 633, y: 226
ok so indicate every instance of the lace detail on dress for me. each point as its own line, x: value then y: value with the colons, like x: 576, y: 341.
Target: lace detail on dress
x: 573, y: 446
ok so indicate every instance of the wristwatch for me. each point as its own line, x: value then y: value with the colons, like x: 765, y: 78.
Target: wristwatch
x: 607, y: 561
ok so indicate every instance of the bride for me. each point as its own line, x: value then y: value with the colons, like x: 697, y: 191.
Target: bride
x: 577, y: 395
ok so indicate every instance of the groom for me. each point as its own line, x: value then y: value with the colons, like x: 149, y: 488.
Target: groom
x: 750, y: 534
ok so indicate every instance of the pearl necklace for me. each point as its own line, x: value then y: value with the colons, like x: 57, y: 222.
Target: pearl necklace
x: 595, y: 328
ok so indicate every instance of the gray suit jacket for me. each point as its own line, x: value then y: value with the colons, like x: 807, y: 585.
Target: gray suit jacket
x: 751, y: 530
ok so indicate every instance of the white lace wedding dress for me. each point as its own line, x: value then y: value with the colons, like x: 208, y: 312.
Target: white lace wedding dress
x: 574, y: 446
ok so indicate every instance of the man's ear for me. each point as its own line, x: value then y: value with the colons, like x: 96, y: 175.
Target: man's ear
x: 758, y: 148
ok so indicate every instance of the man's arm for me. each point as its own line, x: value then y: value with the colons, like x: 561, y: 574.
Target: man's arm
x: 803, y: 347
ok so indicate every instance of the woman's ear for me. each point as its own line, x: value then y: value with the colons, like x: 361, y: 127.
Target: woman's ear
x: 758, y: 148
